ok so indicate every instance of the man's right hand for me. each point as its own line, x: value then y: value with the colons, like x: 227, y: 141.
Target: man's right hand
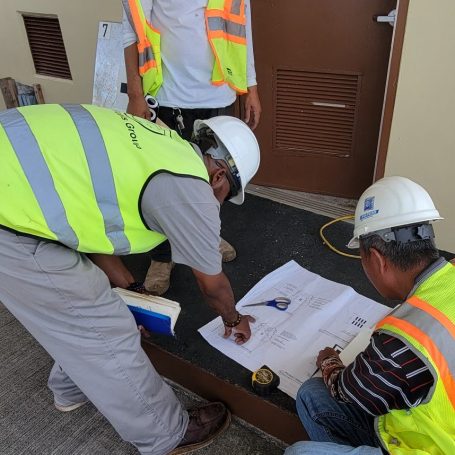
x: 138, y: 107
x: 242, y: 332
x: 218, y: 294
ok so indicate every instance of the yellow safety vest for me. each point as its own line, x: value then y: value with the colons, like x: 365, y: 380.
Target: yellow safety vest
x: 226, y: 32
x: 426, y: 323
x: 75, y: 174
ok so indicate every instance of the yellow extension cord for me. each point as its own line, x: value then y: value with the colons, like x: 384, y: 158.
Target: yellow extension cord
x: 329, y: 245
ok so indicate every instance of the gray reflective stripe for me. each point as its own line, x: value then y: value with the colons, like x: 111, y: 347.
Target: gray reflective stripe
x: 218, y: 23
x: 146, y: 56
x: 38, y: 175
x: 101, y: 174
x: 440, y: 336
x: 235, y: 7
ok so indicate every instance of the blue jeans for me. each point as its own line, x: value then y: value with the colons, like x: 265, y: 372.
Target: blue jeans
x: 329, y: 448
x: 335, y: 427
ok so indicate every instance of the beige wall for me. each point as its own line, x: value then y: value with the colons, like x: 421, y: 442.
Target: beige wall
x: 79, y: 23
x: 422, y: 142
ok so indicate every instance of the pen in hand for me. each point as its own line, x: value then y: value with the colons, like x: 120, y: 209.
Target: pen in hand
x: 337, y: 349
x: 317, y: 369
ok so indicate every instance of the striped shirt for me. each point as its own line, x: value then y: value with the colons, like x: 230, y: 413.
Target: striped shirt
x: 387, y: 375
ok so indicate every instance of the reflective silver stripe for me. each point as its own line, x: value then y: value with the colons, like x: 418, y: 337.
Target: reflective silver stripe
x: 440, y: 336
x: 38, y: 175
x: 218, y: 23
x: 235, y: 7
x: 146, y: 56
x: 101, y: 174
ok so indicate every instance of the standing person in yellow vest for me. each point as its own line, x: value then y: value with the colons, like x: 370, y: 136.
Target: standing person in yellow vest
x: 398, y: 396
x: 78, y: 179
x: 194, y: 57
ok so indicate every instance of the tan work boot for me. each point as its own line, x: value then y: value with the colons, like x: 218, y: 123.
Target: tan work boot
x: 205, y: 424
x: 158, y: 277
x: 70, y: 407
x: 227, y: 251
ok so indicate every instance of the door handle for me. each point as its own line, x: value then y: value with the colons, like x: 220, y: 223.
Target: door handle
x: 390, y: 18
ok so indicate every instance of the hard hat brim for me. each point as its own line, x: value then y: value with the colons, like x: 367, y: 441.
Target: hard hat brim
x: 238, y: 198
x: 353, y: 243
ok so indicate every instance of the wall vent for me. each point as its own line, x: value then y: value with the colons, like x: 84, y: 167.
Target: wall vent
x: 315, y: 112
x: 47, y: 46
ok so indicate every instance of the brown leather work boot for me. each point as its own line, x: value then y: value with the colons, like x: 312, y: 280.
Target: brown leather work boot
x: 158, y: 277
x: 227, y: 251
x: 205, y: 424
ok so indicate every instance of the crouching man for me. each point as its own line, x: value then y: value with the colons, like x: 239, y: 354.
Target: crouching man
x: 398, y: 396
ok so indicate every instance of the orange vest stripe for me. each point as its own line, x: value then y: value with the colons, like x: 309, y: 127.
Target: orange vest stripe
x: 233, y: 38
x: 137, y: 21
x: 146, y: 66
x: 438, y: 315
x: 151, y: 26
x: 432, y: 349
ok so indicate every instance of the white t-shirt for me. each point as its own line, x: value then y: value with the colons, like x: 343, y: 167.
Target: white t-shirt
x: 187, y: 58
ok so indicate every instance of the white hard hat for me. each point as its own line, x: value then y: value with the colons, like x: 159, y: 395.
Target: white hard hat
x: 235, y: 138
x: 389, y: 203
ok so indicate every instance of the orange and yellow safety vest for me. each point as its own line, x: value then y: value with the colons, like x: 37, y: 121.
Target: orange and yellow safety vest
x: 426, y: 323
x: 226, y: 32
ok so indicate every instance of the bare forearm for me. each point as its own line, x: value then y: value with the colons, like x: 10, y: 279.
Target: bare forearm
x: 133, y: 77
x: 218, y: 294
x: 114, y: 268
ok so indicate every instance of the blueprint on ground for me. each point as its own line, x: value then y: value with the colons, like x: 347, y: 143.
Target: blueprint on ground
x: 322, y: 313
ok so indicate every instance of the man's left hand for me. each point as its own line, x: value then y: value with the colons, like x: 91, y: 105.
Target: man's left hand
x: 252, y: 107
x: 326, y: 352
x: 144, y: 332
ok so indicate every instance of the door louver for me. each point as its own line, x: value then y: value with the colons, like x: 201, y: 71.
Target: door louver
x: 315, y: 112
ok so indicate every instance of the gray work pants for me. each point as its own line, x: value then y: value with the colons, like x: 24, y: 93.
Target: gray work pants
x: 66, y: 303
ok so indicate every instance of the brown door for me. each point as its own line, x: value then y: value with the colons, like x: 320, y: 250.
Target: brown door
x: 321, y: 67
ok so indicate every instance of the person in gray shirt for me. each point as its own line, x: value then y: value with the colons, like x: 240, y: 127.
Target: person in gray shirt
x: 80, y: 179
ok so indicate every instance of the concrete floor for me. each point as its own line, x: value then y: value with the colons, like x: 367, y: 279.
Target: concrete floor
x: 30, y: 425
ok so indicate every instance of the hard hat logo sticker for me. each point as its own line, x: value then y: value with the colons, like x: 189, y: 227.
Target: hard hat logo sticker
x: 368, y: 214
x: 368, y: 204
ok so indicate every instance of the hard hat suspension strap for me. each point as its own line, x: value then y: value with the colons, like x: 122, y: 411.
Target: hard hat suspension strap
x: 406, y: 234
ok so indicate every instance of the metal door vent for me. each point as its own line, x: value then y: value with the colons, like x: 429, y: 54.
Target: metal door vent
x: 315, y: 112
x: 47, y: 46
